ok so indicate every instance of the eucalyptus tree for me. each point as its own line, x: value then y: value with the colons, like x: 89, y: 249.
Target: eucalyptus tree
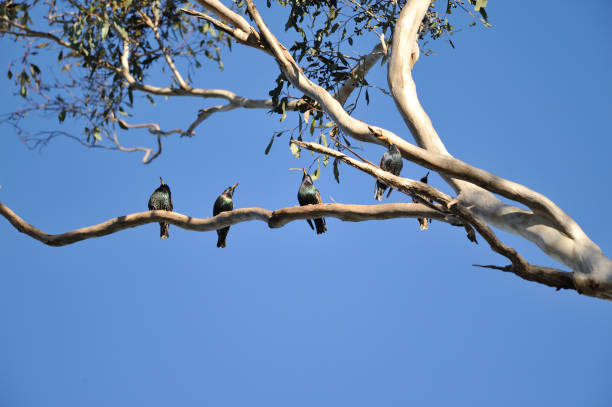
x: 107, y: 51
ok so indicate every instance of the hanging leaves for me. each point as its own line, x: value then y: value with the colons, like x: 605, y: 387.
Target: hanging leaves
x: 336, y: 171
x: 269, y: 145
x: 317, y: 174
x: 295, y: 149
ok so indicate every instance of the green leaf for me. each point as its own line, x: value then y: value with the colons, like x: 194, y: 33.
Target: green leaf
x: 34, y: 69
x: 306, y: 115
x: 41, y: 45
x: 295, y: 149
x: 269, y: 145
x: 23, y: 92
x: 480, y: 4
x: 104, y: 30
x: 96, y: 134
x: 151, y: 100
x: 325, y: 160
x: 61, y: 116
x: 155, y: 8
x: 336, y: 171
x: 313, y: 124
x: 317, y: 174
x: 9, y: 74
x: 323, y: 139
x: 383, y: 43
x: 121, y: 31
x: 283, y: 107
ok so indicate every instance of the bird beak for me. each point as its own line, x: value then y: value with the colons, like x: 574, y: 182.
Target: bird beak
x: 304, y: 171
x: 161, y: 180
x: 234, y: 186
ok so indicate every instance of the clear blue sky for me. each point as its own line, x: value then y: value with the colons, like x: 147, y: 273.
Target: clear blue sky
x: 368, y: 314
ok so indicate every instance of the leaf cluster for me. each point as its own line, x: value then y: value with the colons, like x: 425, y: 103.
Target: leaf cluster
x: 88, y: 37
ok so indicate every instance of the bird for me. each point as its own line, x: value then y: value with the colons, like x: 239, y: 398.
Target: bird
x: 423, y: 222
x: 391, y: 161
x: 161, y: 198
x: 309, y: 195
x: 224, y: 203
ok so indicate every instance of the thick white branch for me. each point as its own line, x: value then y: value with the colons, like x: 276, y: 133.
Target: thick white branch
x: 549, y: 227
x: 554, y: 231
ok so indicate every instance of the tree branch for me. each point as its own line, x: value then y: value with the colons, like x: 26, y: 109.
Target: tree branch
x: 436, y: 162
x: 405, y: 185
x: 32, y: 33
x: 554, y: 232
x: 228, y: 15
x: 274, y: 219
x: 252, y: 38
x: 358, y: 73
x: 544, y: 275
x: 549, y: 227
x: 167, y: 57
x: 244, y: 37
x: 520, y: 267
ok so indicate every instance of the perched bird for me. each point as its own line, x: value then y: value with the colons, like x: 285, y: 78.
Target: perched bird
x: 224, y: 203
x: 423, y: 222
x: 161, y: 198
x: 391, y: 161
x: 309, y: 195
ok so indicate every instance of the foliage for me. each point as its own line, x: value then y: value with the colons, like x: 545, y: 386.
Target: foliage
x: 88, y: 40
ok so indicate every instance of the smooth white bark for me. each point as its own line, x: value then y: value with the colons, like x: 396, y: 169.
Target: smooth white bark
x: 564, y: 241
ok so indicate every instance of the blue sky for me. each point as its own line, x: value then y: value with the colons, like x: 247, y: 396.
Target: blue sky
x: 373, y: 313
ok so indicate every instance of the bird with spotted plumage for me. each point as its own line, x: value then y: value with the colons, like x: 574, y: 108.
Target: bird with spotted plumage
x: 391, y: 161
x: 224, y: 202
x: 161, y: 199
x: 309, y: 195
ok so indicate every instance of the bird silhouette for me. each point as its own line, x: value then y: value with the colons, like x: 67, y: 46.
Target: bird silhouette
x: 224, y: 202
x: 309, y: 195
x: 391, y: 161
x: 161, y: 198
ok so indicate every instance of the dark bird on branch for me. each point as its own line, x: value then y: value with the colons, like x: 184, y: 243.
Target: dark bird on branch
x: 391, y: 161
x: 309, y: 195
x: 224, y: 203
x: 424, y: 222
x: 161, y: 199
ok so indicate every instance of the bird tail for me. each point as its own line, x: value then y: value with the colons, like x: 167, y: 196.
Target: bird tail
x: 310, y: 224
x: 380, y: 190
x: 164, y: 230
x: 222, y: 234
x: 320, y: 224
